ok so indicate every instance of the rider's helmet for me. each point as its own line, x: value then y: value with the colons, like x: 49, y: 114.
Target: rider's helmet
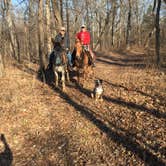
x: 83, y: 26
x: 62, y: 29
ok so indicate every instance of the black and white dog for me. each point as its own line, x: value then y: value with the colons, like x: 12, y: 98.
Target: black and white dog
x: 98, y: 90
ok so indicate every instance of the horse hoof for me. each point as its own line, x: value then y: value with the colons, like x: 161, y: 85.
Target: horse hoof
x: 101, y: 100
x: 64, y: 89
x: 92, y: 95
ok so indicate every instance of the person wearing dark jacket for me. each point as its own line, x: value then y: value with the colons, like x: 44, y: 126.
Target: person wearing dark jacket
x: 60, y: 45
x: 62, y: 38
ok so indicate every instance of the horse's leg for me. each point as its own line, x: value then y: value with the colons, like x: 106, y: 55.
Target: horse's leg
x: 56, y: 78
x: 84, y: 75
x: 89, y: 72
x: 63, y: 80
x: 83, y: 78
x: 78, y: 76
x: 67, y: 75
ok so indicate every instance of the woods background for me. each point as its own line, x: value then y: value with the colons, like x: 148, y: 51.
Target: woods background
x: 42, y: 125
x: 27, y: 26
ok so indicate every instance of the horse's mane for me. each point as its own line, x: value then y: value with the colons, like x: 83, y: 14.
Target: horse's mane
x: 57, y: 46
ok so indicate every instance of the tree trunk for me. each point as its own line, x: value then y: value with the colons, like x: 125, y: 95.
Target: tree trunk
x: 30, y: 16
x: 48, y: 32
x: 120, y: 34
x: 3, y: 35
x: 40, y: 37
x: 17, y: 43
x: 7, y: 4
x: 1, y: 66
x: 87, y: 15
x: 92, y: 30
x: 113, y: 22
x: 100, y: 41
x: 147, y: 39
x: 157, y: 26
x: 104, y: 29
x: 26, y: 39
x: 61, y: 10
x: 68, y: 25
x: 57, y: 16
x: 128, y: 31
x: 138, y: 29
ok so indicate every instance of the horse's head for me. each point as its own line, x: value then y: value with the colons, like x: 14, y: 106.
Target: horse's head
x: 64, y: 58
x: 57, y: 45
x: 78, y: 48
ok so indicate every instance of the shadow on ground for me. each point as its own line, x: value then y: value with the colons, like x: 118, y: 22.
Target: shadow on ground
x: 6, y: 156
x: 123, y: 139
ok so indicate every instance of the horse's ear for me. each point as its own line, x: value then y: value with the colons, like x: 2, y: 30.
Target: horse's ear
x: 77, y: 40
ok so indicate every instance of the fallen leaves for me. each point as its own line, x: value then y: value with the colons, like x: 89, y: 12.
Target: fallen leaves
x: 44, y: 128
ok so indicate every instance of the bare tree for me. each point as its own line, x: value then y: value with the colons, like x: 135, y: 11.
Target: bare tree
x: 87, y: 14
x: 157, y: 26
x: 2, y: 34
x: 68, y: 25
x: 30, y: 16
x: 103, y: 29
x: 128, y: 30
x: 41, y: 38
x: 57, y: 16
x: 1, y: 66
x: 7, y: 5
x: 61, y: 11
x: 112, y: 24
x: 114, y: 6
x: 48, y: 32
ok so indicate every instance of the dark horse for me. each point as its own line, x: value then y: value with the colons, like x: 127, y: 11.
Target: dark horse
x: 81, y: 60
x: 58, y: 63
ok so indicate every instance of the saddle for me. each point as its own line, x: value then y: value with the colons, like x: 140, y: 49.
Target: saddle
x: 58, y: 58
x: 55, y: 59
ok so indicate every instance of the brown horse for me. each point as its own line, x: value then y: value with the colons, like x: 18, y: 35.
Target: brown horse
x: 82, y: 62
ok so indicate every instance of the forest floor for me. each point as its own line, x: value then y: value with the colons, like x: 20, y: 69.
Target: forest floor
x: 43, y: 126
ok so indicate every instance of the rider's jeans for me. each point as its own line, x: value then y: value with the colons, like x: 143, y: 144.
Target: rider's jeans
x: 69, y: 58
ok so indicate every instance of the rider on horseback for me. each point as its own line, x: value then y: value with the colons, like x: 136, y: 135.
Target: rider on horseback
x: 84, y: 37
x: 61, y: 38
x: 60, y: 44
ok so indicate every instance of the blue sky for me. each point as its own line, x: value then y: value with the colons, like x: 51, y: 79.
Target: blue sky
x: 14, y: 2
x: 17, y: 4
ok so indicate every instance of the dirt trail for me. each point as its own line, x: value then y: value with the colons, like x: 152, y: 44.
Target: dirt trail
x: 44, y: 126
